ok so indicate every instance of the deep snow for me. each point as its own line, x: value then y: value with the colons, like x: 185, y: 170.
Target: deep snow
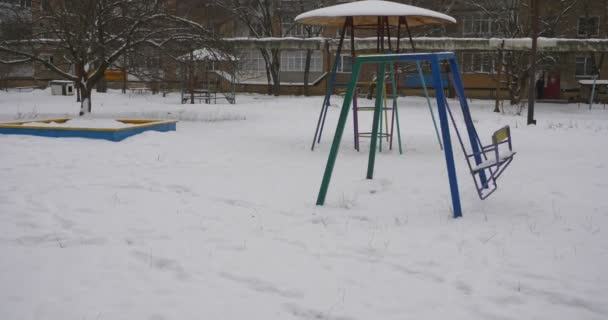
x: 217, y: 220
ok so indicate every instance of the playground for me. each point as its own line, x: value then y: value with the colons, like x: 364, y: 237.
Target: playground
x: 218, y: 219
x: 225, y: 210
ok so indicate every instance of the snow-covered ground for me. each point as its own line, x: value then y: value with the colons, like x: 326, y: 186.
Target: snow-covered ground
x: 217, y: 220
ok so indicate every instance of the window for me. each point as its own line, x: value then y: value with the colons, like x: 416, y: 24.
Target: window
x: 251, y: 61
x: 584, y: 67
x: 476, y: 62
x: 48, y: 58
x: 478, y: 26
x: 145, y: 62
x: 296, y: 61
x: 345, y: 63
x: 291, y: 29
x: 211, y: 29
x: 588, y: 26
x: 152, y: 62
x: 346, y: 33
x: 20, y: 3
x: 550, y: 28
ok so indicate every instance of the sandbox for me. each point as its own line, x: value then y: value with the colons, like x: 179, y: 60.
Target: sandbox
x: 114, y: 130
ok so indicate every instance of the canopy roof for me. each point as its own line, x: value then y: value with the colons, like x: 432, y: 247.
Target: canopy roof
x: 366, y: 13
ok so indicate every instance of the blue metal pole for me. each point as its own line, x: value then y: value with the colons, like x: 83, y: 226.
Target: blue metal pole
x: 326, y: 101
x: 445, y: 131
x: 428, y: 101
x: 468, y: 120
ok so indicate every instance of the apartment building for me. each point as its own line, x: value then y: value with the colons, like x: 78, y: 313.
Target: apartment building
x: 561, y: 72
x: 500, y: 18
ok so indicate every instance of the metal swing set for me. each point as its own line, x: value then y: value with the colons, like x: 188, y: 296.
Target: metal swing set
x: 486, y: 162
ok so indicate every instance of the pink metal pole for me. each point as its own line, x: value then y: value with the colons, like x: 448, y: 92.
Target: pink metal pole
x: 355, y: 109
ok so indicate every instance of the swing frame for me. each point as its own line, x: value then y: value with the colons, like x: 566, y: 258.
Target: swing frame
x: 391, y: 59
x: 478, y: 151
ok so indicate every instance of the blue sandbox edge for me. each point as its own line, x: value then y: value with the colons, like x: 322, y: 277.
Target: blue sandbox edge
x: 90, y: 133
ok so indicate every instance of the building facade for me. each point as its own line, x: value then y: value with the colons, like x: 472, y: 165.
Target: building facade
x: 558, y: 75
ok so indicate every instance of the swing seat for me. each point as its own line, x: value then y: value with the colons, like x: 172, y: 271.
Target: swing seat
x: 496, y: 157
x: 491, y: 162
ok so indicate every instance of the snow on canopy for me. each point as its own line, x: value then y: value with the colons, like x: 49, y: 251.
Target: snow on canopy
x: 207, y: 55
x: 366, y: 13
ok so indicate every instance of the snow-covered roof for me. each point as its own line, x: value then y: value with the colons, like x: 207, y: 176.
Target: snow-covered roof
x: 366, y: 12
x: 207, y: 55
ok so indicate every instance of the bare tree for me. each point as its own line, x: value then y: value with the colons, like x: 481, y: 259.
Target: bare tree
x: 146, y: 66
x: 590, y: 28
x: 305, y: 31
x: 15, y: 24
x: 262, y: 19
x: 91, y: 35
x: 506, y: 16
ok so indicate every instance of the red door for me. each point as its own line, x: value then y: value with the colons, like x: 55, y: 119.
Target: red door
x: 552, y: 90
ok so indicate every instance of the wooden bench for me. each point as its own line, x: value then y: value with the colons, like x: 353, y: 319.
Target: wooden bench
x: 140, y: 90
x: 22, y: 89
x: 200, y: 95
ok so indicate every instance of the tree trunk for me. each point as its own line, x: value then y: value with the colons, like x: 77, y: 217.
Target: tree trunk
x: 498, y: 83
x: 276, y: 80
x: 269, y: 81
x: 307, y: 71
x: 85, y: 104
x: 79, y: 73
x: 520, y: 84
x: 191, y: 75
x: 102, y: 85
x: 533, y: 55
x: 516, y: 82
x: 124, y: 74
x: 275, y: 70
x: 124, y: 80
x: 268, y: 64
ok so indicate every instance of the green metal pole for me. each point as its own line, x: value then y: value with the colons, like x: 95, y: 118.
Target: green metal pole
x: 335, y: 146
x: 395, y: 109
x: 377, y: 115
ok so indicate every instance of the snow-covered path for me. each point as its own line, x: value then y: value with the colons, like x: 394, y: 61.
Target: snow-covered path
x: 217, y: 220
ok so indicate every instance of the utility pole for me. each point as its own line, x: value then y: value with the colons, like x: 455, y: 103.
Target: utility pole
x: 532, y: 75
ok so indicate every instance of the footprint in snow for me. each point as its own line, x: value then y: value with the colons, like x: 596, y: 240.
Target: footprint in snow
x: 261, y: 286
